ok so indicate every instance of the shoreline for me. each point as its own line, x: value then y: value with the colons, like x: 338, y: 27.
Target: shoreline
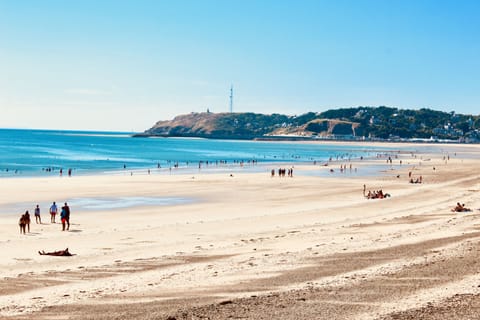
x: 248, y: 242
x: 190, y: 167
x: 105, y: 160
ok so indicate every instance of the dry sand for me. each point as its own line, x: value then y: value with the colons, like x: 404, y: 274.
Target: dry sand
x: 249, y: 246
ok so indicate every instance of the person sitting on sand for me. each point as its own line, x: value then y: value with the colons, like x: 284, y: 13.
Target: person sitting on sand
x: 418, y: 180
x: 460, y: 208
x: 60, y: 253
x: 380, y: 194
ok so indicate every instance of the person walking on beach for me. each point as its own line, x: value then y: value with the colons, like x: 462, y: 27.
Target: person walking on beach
x: 27, y: 220
x: 53, y: 212
x: 37, y: 215
x: 22, y: 224
x: 63, y: 213
x: 65, y: 216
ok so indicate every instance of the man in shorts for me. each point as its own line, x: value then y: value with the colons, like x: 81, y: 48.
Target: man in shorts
x: 37, y: 215
x: 53, y: 212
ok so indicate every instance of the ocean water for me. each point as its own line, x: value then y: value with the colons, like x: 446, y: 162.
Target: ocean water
x: 45, y: 152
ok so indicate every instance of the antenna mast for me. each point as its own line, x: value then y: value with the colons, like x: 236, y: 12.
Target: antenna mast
x: 231, y: 98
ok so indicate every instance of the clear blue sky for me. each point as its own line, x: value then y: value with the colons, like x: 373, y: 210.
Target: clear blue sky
x: 123, y: 65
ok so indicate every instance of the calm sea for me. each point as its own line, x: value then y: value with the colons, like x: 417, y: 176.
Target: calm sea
x: 45, y: 152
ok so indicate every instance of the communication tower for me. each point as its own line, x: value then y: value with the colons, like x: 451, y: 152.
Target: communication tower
x: 231, y: 99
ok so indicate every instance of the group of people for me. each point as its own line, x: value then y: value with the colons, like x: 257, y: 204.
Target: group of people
x: 460, y: 208
x: 24, y: 221
x: 343, y: 168
x: 377, y: 194
x: 374, y: 194
x: 282, y: 172
x: 417, y: 180
x: 60, y: 171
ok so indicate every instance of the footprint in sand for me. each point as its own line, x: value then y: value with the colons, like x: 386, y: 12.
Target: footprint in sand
x: 22, y: 259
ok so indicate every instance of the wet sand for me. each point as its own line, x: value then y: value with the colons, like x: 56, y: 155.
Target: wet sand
x: 250, y: 246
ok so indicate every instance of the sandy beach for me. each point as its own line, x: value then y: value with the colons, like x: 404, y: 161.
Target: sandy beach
x: 250, y: 246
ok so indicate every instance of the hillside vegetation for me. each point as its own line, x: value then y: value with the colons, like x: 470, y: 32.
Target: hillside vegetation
x: 347, y: 123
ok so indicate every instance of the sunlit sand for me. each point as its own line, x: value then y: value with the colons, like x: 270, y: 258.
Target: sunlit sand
x: 218, y: 245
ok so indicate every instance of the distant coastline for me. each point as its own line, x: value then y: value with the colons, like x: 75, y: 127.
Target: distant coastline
x: 308, y: 139
x: 350, y: 124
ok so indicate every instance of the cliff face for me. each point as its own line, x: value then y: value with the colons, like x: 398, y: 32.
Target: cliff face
x: 188, y: 125
x: 209, y: 125
x: 319, y: 127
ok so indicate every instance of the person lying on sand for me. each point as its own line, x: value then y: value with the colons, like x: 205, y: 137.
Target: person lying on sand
x: 63, y: 253
x: 460, y: 208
